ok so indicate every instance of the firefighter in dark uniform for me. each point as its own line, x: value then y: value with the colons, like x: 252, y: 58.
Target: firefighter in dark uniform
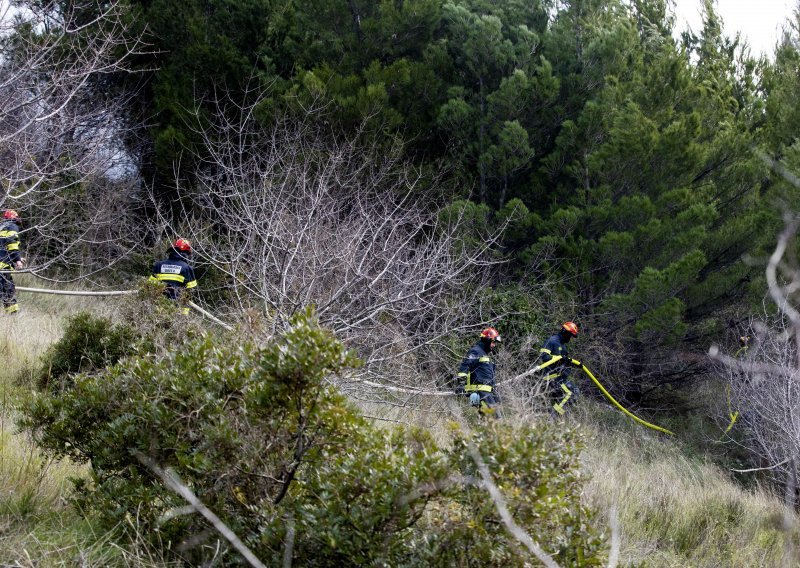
x: 10, y: 258
x: 176, y: 272
x: 476, y: 374
x: 563, y: 391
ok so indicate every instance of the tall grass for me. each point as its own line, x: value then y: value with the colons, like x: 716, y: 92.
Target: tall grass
x: 37, y: 526
x: 677, y: 511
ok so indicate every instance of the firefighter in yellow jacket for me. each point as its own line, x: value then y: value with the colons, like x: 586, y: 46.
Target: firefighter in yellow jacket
x: 175, y: 271
x: 476, y: 374
x: 562, y: 390
x: 10, y: 258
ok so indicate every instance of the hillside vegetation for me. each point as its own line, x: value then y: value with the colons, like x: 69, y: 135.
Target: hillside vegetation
x: 361, y: 188
x: 671, y: 509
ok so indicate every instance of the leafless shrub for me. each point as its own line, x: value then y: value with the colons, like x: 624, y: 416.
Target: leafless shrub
x: 765, y: 390
x: 764, y: 379
x: 300, y: 215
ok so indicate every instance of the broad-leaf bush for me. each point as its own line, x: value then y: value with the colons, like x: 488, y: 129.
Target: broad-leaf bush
x: 264, y: 439
x: 150, y: 323
x: 539, y: 474
x: 89, y: 343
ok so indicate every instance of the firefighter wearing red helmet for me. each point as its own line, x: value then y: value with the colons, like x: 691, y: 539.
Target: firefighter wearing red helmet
x: 175, y: 272
x: 476, y: 374
x: 10, y: 258
x: 563, y: 391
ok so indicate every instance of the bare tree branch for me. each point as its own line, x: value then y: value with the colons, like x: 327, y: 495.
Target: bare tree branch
x: 172, y: 481
x: 301, y: 215
x: 765, y: 378
x: 500, y: 503
x: 61, y: 127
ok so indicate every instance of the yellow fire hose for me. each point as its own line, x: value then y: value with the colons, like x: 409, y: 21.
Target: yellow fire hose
x: 613, y: 401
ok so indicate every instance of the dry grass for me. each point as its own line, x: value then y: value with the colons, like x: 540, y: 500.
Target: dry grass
x: 676, y: 511
x: 37, y: 526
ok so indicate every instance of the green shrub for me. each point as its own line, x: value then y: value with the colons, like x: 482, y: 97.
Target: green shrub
x: 150, y: 324
x: 263, y: 439
x: 89, y: 343
x: 539, y: 474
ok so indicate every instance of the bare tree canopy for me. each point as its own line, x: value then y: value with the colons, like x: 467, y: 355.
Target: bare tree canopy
x: 61, y: 126
x: 300, y: 216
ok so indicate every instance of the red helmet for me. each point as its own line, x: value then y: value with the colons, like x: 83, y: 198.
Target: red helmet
x: 491, y: 334
x: 570, y: 328
x: 10, y: 214
x: 183, y: 245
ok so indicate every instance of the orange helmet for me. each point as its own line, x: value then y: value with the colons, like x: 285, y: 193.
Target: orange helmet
x: 183, y: 245
x: 491, y: 334
x: 570, y: 328
x: 10, y: 214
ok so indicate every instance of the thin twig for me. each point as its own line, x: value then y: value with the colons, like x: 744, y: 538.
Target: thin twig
x: 500, y: 503
x: 288, y: 549
x: 613, y: 555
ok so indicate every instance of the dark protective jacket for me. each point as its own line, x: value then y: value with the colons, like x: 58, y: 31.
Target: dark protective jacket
x: 175, y: 272
x: 477, y: 368
x: 552, y: 347
x: 9, y: 244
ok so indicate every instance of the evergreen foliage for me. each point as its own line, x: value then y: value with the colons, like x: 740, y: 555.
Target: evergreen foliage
x: 627, y: 157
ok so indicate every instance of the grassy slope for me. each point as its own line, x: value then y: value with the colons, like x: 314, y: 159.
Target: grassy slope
x: 37, y: 527
x: 674, y: 510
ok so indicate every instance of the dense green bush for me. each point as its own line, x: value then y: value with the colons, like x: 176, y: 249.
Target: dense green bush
x: 263, y: 438
x: 89, y: 343
x: 149, y: 324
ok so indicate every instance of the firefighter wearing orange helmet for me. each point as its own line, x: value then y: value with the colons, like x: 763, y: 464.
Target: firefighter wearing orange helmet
x: 10, y: 259
x: 563, y: 391
x: 175, y: 271
x: 476, y: 374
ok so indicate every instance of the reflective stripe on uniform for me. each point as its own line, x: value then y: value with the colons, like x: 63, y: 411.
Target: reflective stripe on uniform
x: 568, y: 394
x: 484, y: 360
x: 543, y: 350
x: 551, y: 376
x: 476, y: 388
x: 170, y: 278
x: 192, y: 284
x: 7, y: 234
x: 12, y: 246
x: 485, y: 409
